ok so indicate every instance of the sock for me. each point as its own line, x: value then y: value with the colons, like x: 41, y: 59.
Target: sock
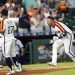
x: 14, y: 60
x: 18, y: 59
x: 9, y: 63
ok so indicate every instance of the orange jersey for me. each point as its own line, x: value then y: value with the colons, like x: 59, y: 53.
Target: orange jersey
x: 1, y: 23
x: 59, y: 26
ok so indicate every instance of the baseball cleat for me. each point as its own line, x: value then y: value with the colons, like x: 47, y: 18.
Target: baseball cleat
x: 19, y: 68
x: 1, y: 66
x: 52, y: 64
x: 11, y: 72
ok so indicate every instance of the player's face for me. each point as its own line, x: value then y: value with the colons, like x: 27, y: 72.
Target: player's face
x: 49, y: 22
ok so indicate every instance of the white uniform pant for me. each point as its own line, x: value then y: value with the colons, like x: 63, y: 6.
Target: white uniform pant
x: 0, y: 55
x: 58, y: 43
x: 8, y: 47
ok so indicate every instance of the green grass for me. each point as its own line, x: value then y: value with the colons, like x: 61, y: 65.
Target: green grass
x: 41, y: 65
x: 63, y: 72
x: 45, y: 64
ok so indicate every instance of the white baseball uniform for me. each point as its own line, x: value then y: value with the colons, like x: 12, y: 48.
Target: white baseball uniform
x: 0, y: 53
x: 8, y: 40
x: 59, y: 29
x: 19, y: 45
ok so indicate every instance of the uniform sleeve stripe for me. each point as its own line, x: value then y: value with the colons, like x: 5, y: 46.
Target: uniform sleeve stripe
x: 3, y: 22
x: 0, y: 24
x: 59, y: 26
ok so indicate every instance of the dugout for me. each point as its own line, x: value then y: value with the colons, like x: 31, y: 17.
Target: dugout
x: 27, y: 40
x: 38, y: 48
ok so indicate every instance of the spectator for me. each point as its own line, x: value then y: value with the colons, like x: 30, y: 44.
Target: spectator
x: 18, y: 1
x: 11, y: 1
x: 36, y: 21
x: 28, y: 3
x: 45, y: 14
x: 19, y: 10
x: 10, y: 7
x: 24, y: 23
x: 71, y: 7
x: 56, y: 15
x: 30, y: 11
x: 1, y: 57
x: 51, y: 4
x: 63, y: 6
x: 2, y: 2
x: 46, y: 11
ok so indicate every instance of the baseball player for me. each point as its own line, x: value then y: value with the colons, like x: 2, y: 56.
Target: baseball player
x: 64, y: 37
x: 1, y: 66
x: 19, y: 53
x: 8, y: 41
x: 1, y: 56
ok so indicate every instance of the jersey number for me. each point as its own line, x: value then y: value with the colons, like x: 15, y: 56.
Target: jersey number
x: 10, y: 29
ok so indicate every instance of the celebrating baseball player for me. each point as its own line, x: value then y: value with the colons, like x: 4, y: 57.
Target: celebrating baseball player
x: 63, y: 35
x: 19, y: 53
x: 8, y: 41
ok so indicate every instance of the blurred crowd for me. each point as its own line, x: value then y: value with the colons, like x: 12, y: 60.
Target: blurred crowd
x: 35, y: 18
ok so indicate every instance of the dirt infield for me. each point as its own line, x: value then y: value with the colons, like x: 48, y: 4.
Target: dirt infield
x: 39, y: 70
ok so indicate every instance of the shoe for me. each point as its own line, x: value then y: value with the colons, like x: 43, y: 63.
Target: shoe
x: 52, y: 64
x: 1, y: 66
x: 73, y: 59
x: 11, y: 72
x: 18, y: 70
x: 20, y: 67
